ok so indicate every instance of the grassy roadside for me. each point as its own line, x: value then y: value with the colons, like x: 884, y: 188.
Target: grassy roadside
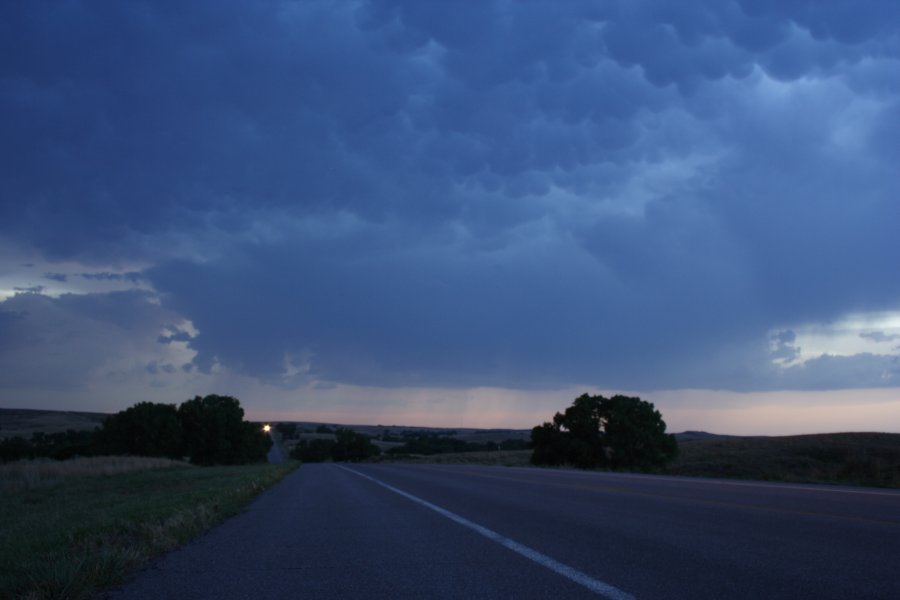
x: 867, y: 459
x: 71, y: 538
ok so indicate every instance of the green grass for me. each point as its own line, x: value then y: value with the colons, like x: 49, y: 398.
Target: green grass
x: 76, y: 537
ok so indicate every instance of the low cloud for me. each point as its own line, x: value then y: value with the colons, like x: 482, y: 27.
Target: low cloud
x: 879, y: 336
x: 73, y: 341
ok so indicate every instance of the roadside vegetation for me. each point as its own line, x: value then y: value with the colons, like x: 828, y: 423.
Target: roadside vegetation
x: 82, y: 507
x: 34, y: 474
x: 621, y: 432
x: 75, y: 529
x: 345, y: 446
x: 207, y: 431
x: 342, y: 444
x: 869, y: 459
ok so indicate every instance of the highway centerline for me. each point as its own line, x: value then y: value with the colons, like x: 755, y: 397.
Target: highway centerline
x: 599, y: 587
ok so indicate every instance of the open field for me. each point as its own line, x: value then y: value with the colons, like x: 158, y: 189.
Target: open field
x: 869, y: 459
x: 80, y: 533
x: 23, y: 422
x: 850, y: 458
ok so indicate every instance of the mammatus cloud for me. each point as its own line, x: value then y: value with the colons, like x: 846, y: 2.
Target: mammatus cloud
x: 531, y: 195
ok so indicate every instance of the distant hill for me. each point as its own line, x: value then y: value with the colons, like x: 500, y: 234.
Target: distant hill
x: 848, y: 458
x: 25, y: 421
x: 686, y: 436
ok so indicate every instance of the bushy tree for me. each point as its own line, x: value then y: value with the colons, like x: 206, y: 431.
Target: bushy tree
x: 348, y: 446
x: 287, y: 430
x: 313, y: 451
x: 145, y: 429
x: 618, y: 432
x: 215, y: 432
x: 636, y: 434
x: 351, y: 446
x: 255, y: 444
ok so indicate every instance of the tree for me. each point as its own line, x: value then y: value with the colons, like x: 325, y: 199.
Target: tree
x: 351, y: 446
x: 255, y: 444
x: 636, y: 434
x: 215, y: 432
x: 287, y: 430
x: 145, y: 429
x: 313, y: 451
x: 619, y: 432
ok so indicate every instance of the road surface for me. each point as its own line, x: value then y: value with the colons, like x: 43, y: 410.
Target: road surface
x: 275, y: 456
x: 437, y: 531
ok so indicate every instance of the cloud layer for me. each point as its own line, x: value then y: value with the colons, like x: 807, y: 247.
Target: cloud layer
x: 640, y: 195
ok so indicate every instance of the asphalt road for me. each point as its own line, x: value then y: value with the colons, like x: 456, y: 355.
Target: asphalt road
x: 429, y: 531
x: 275, y: 456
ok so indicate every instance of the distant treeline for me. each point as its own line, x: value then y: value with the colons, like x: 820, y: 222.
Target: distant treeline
x: 207, y: 431
x: 352, y: 446
x: 430, y: 443
x: 58, y: 446
x: 347, y: 446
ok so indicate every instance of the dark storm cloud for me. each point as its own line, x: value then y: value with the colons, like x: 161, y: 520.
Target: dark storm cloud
x: 490, y: 193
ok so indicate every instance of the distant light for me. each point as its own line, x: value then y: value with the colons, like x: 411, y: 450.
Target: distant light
x: 267, y: 428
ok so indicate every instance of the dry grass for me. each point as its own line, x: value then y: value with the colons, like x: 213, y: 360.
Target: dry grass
x: 30, y: 474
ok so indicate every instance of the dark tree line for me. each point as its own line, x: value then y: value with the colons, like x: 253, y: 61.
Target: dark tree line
x: 287, y: 430
x: 621, y: 432
x: 438, y: 443
x: 347, y: 446
x: 207, y: 431
x: 58, y: 446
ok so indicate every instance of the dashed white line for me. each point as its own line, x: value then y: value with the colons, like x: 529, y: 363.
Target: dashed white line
x: 603, y: 589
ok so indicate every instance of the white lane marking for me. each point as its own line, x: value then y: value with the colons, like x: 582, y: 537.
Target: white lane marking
x: 595, y: 585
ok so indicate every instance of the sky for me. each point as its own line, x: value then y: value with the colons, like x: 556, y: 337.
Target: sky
x: 454, y: 213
